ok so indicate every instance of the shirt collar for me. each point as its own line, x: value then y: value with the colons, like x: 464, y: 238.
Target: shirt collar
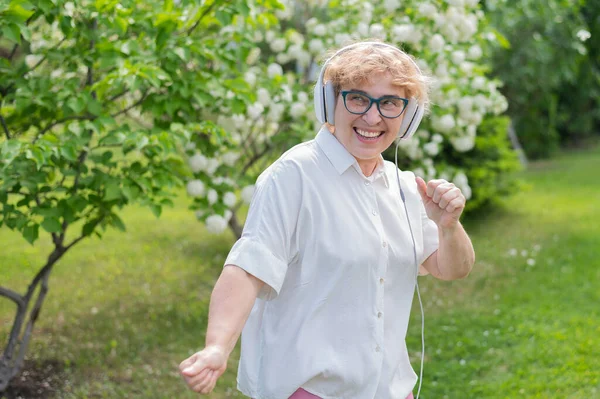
x: 337, y: 154
x: 341, y: 159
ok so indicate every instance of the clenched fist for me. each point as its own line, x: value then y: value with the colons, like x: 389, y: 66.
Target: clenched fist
x: 444, y: 202
x: 201, y: 370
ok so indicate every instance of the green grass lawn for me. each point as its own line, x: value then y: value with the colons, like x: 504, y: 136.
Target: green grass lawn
x: 122, y: 312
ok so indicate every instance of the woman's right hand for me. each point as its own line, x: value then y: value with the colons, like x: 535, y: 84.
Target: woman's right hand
x: 201, y: 370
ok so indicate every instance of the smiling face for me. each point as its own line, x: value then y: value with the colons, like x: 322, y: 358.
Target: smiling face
x: 367, y: 136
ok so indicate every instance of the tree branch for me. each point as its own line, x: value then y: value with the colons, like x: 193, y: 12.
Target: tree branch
x: 12, y: 295
x: 121, y: 94
x: 13, y: 52
x: 255, y: 158
x: 63, y: 120
x: 35, y: 312
x: 40, y: 62
x: 4, y: 126
x: 204, y: 14
x: 75, y: 241
x: 135, y: 104
x: 139, y: 121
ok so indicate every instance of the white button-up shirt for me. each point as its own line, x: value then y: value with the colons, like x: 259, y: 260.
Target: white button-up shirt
x: 334, y: 250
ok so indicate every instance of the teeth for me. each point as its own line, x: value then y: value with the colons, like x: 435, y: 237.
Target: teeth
x: 368, y: 134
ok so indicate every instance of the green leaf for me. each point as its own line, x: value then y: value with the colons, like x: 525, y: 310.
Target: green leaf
x: 26, y: 33
x: 24, y: 202
x: 51, y: 225
x: 12, y: 32
x: 113, y: 191
x: 18, y: 12
x: 47, y: 212
x: 89, y: 227
x: 75, y: 128
x: 203, y: 98
x: 77, y: 202
x: 162, y: 37
x: 502, y: 40
x: 10, y: 150
x: 182, y: 53
x: 31, y: 233
x: 223, y: 17
x: 122, y: 24
x: 167, y: 201
x: 156, y: 209
x: 66, y: 211
x: 141, y: 141
x: 69, y: 152
x: 113, y: 138
x: 131, y: 191
x: 77, y: 104
x: 117, y: 222
x: 94, y: 107
x: 37, y: 155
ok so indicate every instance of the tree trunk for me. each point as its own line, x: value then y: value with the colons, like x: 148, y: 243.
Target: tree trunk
x: 514, y: 140
x: 13, y: 356
x: 235, y: 226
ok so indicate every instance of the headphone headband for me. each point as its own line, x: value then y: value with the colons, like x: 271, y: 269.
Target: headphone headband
x: 325, y: 98
x: 354, y: 45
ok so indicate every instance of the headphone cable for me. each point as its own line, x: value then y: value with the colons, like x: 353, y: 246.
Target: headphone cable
x: 416, y: 270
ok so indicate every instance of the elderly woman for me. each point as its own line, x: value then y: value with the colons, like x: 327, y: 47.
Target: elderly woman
x: 322, y: 280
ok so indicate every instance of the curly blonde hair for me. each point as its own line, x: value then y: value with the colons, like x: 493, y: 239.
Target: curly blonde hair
x: 365, y: 59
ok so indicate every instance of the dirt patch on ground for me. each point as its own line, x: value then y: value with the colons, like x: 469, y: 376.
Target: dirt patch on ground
x: 37, y: 380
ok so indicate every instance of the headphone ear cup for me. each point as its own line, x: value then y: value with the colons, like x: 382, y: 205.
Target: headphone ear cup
x: 329, y: 100
x: 413, y: 114
x: 319, y: 100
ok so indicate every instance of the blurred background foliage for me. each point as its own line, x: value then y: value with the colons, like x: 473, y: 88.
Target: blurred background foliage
x: 550, y: 67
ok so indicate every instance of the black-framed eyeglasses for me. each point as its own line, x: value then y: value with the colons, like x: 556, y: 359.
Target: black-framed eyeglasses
x: 358, y: 103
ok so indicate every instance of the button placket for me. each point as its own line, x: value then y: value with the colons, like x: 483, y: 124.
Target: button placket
x: 383, y: 245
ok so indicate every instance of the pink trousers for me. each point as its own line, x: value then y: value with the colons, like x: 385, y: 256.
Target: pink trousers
x: 302, y: 394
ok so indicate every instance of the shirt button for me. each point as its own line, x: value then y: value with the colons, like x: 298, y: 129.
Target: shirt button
x: 384, y: 244
x: 381, y: 280
x: 374, y: 212
x: 379, y: 315
x: 377, y: 349
x: 367, y: 182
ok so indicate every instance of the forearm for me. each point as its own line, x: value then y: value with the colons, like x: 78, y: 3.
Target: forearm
x: 230, y: 305
x: 455, y: 255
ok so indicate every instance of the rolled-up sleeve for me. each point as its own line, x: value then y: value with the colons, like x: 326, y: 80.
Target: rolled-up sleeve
x: 268, y: 242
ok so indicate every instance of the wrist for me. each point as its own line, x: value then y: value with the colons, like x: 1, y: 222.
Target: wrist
x: 219, y: 343
x: 449, y: 229
x: 218, y: 349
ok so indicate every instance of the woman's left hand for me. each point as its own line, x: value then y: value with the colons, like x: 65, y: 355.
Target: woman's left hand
x: 444, y: 202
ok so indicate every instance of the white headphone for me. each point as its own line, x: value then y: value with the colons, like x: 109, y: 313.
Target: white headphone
x: 325, y: 98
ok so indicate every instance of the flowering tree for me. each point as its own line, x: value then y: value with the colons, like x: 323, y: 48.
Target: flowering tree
x: 449, y: 39
x: 97, y: 101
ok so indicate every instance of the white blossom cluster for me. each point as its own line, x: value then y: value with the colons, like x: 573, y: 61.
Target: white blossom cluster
x: 215, y: 187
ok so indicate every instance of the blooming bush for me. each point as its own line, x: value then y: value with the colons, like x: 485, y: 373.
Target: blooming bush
x: 449, y: 40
